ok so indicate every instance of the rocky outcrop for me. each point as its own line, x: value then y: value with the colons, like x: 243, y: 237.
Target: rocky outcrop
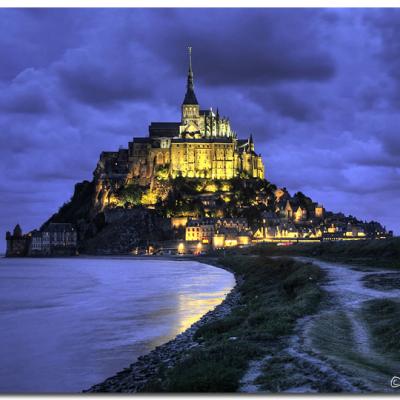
x: 126, y: 229
x: 115, y: 230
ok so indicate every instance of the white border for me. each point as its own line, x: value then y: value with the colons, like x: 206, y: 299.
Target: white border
x: 199, y: 3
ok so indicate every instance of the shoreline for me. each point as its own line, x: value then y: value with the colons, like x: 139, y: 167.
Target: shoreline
x: 146, y: 368
x: 164, y: 257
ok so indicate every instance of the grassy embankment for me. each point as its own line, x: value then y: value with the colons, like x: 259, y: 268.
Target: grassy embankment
x: 383, y: 253
x: 273, y: 295
x: 383, y: 321
x: 381, y: 316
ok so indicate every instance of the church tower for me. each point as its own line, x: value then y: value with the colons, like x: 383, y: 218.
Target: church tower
x: 190, y: 106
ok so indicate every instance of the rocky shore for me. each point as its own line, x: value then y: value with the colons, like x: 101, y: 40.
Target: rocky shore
x: 147, y: 368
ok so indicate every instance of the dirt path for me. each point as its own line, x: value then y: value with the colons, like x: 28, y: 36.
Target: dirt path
x: 330, y: 351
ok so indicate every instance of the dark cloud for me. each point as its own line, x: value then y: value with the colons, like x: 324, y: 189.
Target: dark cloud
x: 391, y: 144
x: 386, y: 26
x: 34, y: 38
x: 287, y: 104
x: 104, y: 79
x: 252, y: 47
x: 24, y: 99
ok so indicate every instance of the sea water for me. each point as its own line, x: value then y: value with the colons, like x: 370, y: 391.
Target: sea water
x: 69, y: 323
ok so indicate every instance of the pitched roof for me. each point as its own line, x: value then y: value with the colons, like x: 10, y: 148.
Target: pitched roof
x: 190, y: 97
x: 203, y: 140
x: 164, y: 129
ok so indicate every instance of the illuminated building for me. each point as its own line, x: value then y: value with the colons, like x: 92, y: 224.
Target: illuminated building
x: 230, y: 237
x: 181, y: 248
x: 221, y: 232
x: 201, y: 145
x: 291, y: 209
x: 179, y: 222
x: 201, y: 230
x: 354, y: 231
x: 199, y: 248
x: 319, y: 211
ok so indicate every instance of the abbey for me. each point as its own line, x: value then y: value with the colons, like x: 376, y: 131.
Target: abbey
x: 201, y: 145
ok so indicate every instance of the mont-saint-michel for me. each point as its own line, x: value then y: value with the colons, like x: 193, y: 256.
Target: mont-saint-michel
x: 233, y: 228
x: 188, y: 187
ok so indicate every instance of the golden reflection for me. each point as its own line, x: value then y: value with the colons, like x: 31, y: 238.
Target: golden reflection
x: 192, y: 307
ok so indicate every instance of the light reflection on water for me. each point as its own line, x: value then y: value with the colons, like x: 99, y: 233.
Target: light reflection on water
x: 66, y: 324
x: 191, y: 308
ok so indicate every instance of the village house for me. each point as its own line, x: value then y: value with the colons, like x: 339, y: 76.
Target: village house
x: 200, y: 230
x: 230, y: 237
x: 220, y: 232
x: 56, y: 239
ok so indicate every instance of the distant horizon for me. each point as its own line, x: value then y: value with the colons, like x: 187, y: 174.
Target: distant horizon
x: 320, y: 99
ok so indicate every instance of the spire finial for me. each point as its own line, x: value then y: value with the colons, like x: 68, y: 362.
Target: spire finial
x: 190, y: 74
x: 190, y: 57
x: 190, y: 97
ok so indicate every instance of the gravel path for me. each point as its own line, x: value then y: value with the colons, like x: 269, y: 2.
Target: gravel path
x: 331, y: 351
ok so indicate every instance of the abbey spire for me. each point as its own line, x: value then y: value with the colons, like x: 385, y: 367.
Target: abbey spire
x: 190, y: 97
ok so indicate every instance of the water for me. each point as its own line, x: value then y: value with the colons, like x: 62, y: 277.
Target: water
x: 66, y: 324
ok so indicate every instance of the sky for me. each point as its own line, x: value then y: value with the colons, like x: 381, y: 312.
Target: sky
x: 319, y: 89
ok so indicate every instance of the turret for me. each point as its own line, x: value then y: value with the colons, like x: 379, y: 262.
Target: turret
x: 251, y: 143
x: 217, y: 122
x: 17, y: 231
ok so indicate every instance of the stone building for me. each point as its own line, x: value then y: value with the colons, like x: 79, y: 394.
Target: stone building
x: 200, y: 230
x: 291, y: 209
x: 218, y: 232
x: 230, y: 237
x: 17, y: 243
x: 201, y: 145
x: 56, y: 239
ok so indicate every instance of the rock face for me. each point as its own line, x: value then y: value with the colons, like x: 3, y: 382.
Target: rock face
x: 114, y: 230
x: 126, y: 229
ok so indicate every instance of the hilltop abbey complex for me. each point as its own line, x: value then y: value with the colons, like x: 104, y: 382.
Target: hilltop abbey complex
x: 188, y: 187
x: 201, y: 145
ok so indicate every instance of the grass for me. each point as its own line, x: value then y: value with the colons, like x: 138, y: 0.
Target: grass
x: 383, y: 320
x: 333, y: 335
x: 384, y: 253
x: 274, y: 294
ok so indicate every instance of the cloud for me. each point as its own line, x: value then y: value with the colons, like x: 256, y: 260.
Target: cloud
x: 287, y: 103
x: 23, y: 98
x: 385, y: 25
x: 250, y: 47
x: 93, y: 80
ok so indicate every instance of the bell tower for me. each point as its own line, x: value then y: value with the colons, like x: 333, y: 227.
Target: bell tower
x: 190, y: 106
